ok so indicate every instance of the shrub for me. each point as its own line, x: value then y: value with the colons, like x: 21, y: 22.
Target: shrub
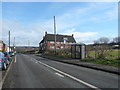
x: 66, y: 52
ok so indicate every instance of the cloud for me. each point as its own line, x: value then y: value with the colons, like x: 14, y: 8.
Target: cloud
x: 22, y: 33
x: 110, y: 14
x: 81, y: 15
x: 84, y: 37
x: 66, y: 23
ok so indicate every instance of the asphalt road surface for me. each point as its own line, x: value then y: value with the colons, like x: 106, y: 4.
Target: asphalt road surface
x: 30, y: 71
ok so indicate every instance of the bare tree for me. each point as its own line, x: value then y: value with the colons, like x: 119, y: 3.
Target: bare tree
x: 103, y: 40
x: 116, y: 39
x: 96, y: 42
x: 101, y: 47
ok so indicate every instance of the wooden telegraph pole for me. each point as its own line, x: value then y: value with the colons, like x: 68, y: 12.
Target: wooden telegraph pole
x: 14, y: 44
x: 9, y: 41
x: 29, y: 46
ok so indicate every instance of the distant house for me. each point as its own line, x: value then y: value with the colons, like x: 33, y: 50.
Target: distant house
x: 4, y: 47
x: 62, y: 41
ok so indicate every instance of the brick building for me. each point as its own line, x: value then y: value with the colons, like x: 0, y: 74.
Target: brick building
x: 3, y: 47
x: 62, y: 41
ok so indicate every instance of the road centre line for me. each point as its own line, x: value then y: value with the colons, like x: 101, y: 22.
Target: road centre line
x: 15, y: 59
x: 59, y: 74
x: 70, y: 76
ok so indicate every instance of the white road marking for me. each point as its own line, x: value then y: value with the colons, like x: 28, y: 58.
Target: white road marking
x: 15, y: 59
x: 59, y: 74
x: 36, y: 62
x: 70, y: 76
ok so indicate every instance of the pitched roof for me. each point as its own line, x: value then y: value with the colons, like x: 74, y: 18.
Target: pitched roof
x: 1, y: 41
x: 59, y: 38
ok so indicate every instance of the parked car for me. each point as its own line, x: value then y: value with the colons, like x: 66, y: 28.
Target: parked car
x: 12, y: 53
x: 7, y: 55
x: 3, y: 61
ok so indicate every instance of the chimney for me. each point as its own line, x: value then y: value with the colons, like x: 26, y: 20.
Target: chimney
x: 45, y: 33
x: 72, y: 35
x: 43, y: 37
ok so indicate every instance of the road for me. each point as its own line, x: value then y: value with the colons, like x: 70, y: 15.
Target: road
x: 30, y: 71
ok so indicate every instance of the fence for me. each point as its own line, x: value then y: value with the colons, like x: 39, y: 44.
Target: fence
x: 91, y: 52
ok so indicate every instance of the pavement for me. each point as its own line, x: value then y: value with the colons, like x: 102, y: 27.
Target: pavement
x: 3, y: 73
x: 106, y: 68
x: 31, y: 71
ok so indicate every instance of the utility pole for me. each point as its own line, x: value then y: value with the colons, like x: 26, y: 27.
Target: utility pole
x: 9, y: 41
x: 14, y: 44
x: 28, y: 45
x: 55, y: 33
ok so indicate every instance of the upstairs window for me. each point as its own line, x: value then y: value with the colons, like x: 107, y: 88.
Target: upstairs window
x: 65, y: 38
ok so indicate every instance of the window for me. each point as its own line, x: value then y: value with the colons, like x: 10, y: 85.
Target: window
x: 58, y: 42
x: 70, y: 42
x: 52, y: 42
x: 61, y: 42
x: 61, y: 46
x: 66, y: 46
x: 51, y: 46
x: 65, y: 38
x: 64, y: 41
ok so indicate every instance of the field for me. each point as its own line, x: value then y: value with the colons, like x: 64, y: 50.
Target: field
x: 110, y: 55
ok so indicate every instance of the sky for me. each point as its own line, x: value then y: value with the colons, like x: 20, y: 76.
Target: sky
x: 88, y: 21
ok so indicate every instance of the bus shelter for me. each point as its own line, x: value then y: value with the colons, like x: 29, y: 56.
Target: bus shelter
x: 78, y: 51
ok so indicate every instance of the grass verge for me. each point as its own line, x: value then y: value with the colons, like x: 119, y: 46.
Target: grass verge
x: 115, y: 63
x: 55, y: 56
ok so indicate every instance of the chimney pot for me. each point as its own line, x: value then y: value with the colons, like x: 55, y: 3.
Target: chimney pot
x: 43, y: 37
x: 45, y: 33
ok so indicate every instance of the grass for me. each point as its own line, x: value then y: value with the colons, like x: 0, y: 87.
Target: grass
x: 110, y: 60
x: 115, y: 63
x: 52, y: 55
x: 113, y: 54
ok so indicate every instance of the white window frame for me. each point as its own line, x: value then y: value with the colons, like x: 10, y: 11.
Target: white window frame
x: 52, y: 42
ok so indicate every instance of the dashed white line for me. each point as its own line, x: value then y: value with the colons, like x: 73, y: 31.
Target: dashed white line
x: 36, y: 62
x: 70, y: 76
x: 15, y: 59
x: 59, y: 74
